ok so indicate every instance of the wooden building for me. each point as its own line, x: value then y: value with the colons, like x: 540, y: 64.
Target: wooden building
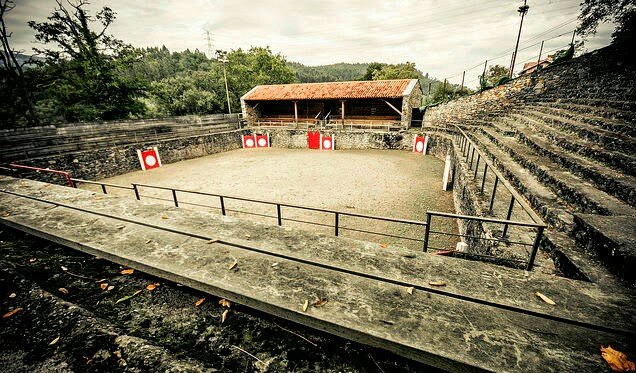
x: 388, y: 103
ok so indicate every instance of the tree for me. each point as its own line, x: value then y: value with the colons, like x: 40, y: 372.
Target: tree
x: 17, y: 98
x: 85, y: 68
x: 381, y: 71
x: 197, y: 92
x: 620, y: 12
x: 495, y: 75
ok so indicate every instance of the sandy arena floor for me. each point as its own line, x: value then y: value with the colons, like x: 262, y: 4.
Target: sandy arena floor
x: 395, y: 184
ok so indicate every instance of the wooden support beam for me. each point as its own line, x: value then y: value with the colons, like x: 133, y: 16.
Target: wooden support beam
x: 296, y: 112
x: 343, y: 112
x: 393, y: 107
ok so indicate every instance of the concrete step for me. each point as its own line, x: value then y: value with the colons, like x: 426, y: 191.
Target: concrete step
x: 613, y: 238
x: 628, y: 106
x: 579, y: 194
x: 593, y: 114
x: 614, y: 159
x: 607, y: 179
x: 596, y: 134
x: 614, y: 126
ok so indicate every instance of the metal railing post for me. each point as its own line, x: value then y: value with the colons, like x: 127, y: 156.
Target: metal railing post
x: 472, y: 157
x: 427, y: 231
x: 494, y: 192
x: 337, y: 218
x: 483, y: 179
x: 280, y: 218
x: 477, y: 165
x: 222, y: 205
x: 103, y: 188
x: 535, y: 248
x: 468, y: 151
x: 174, y: 197
x: 136, y: 191
x: 508, y: 215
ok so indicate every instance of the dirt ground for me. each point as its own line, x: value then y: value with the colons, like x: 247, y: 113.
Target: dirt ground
x: 66, y: 322
x: 388, y: 183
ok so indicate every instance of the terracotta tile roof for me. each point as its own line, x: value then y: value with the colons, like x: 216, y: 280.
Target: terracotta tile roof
x: 331, y: 90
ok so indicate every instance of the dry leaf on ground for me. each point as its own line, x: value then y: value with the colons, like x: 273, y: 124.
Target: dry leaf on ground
x: 148, y: 241
x: 320, y: 302
x: 274, y: 264
x: 152, y: 286
x: 305, y: 305
x: 121, y: 226
x: 437, y: 283
x: 213, y: 241
x: 199, y: 302
x: 164, y: 217
x: 383, y: 245
x: 617, y: 360
x: 54, y: 341
x: 63, y: 291
x: 32, y: 260
x: 127, y: 297
x: 233, y: 264
x: 127, y: 271
x: 225, y: 303
x: 103, y: 286
x: 11, y: 313
x: 12, y: 295
x: 111, y: 287
x: 64, y: 268
x: 410, y: 290
x: 224, y: 316
x: 544, y: 298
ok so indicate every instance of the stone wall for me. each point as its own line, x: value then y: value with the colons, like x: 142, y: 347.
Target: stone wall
x: 112, y: 161
x: 607, y: 74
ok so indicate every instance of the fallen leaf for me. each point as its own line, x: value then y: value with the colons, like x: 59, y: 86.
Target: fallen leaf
x: 6, y: 214
x: 248, y: 236
x: 305, y: 305
x: 127, y: 271
x: 148, y: 241
x: 121, y: 226
x: 225, y: 303
x: 32, y: 260
x: 127, y: 297
x: 410, y: 290
x: 213, y: 241
x: 383, y: 245
x: 64, y: 268
x: 224, y: 316
x: 199, y: 302
x: 54, y: 341
x: 152, y: 286
x: 12, y: 295
x: 320, y: 302
x: 617, y: 360
x: 103, y: 286
x: 164, y: 217
x: 274, y: 264
x: 11, y: 313
x: 111, y: 287
x: 101, y: 280
x: 63, y: 291
x: 437, y: 283
x: 233, y: 264
x: 545, y: 299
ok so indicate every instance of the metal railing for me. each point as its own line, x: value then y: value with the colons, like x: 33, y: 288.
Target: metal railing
x: 66, y: 175
x: 473, y: 156
x: 336, y: 225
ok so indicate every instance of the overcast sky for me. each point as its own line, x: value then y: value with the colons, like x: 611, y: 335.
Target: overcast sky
x: 443, y: 37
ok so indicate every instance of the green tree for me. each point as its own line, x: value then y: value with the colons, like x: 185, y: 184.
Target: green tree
x: 400, y: 71
x: 495, y: 75
x: 84, y: 70
x: 620, y: 12
x: 196, y: 92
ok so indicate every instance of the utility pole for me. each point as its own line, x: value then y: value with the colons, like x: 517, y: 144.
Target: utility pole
x: 522, y: 10
x: 208, y: 37
x: 221, y: 56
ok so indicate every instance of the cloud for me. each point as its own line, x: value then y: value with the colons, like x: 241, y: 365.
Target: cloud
x: 443, y: 37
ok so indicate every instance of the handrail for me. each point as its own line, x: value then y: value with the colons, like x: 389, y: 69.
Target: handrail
x: 487, y: 219
x: 67, y: 175
x: 518, y: 198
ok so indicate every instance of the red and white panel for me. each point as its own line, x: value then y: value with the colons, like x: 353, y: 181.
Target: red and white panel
x: 313, y: 140
x: 262, y: 141
x: 420, y: 144
x: 149, y: 158
x: 327, y: 142
x: 249, y: 141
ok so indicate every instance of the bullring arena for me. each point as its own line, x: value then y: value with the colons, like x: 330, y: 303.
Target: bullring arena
x: 481, y: 239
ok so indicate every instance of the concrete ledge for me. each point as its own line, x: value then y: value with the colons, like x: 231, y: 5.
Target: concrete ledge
x: 485, y: 318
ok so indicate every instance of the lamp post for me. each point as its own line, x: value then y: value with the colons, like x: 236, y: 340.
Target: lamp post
x: 522, y: 10
x: 221, y: 56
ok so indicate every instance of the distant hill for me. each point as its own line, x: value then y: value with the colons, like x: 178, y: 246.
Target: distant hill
x: 336, y: 72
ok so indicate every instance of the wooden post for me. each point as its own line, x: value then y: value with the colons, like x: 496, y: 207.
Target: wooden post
x: 343, y: 112
x: 296, y: 113
x: 540, y: 52
x: 462, y: 87
x: 444, y: 91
